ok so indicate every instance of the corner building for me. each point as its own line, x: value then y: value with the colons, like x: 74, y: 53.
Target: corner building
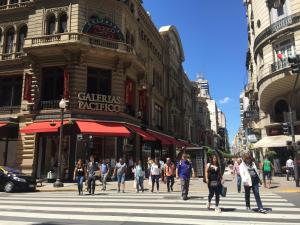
x: 273, y: 36
x: 109, y: 61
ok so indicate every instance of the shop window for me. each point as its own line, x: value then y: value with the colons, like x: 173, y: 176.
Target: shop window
x: 10, y: 91
x: 158, y: 111
x: 9, y: 42
x: 53, y: 85
x: 63, y: 23
x: 99, y: 81
x: 280, y: 109
x: 51, y: 20
x: 21, y: 38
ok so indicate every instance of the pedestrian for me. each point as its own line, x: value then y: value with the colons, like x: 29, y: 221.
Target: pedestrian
x: 155, y: 174
x: 213, y: 177
x: 79, y: 174
x: 183, y: 172
x: 104, y: 172
x: 120, y: 170
x: 237, y: 175
x: 92, y: 167
x: 267, y: 167
x: 139, y: 176
x: 289, y: 168
x: 149, y: 164
x: 169, y: 172
x: 162, y: 167
x: 251, y: 180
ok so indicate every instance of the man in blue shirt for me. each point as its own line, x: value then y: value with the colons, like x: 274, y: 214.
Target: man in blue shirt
x: 183, y: 171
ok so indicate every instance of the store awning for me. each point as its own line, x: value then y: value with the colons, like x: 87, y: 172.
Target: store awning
x: 42, y: 127
x: 274, y: 141
x: 145, y: 135
x: 165, y: 140
x: 103, y: 129
x: 2, y: 124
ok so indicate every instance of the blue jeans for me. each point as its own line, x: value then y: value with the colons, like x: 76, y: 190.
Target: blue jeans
x: 255, y: 189
x: 155, y: 179
x: 121, y: 178
x: 80, y: 183
x: 139, y: 183
x: 239, y: 182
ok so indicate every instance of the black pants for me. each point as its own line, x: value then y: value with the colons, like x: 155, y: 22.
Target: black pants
x: 214, y: 191
x: 290, y: 172
x: 155, y: 179
x: 91, y: 185
x: 170, y: 183
x: 255, y: 189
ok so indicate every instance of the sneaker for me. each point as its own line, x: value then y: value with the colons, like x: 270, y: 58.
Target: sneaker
x: 262, y: 211
x: 208, y: 205
x: 217, y: 209
x: 248, y: 208
x: 185, y: 198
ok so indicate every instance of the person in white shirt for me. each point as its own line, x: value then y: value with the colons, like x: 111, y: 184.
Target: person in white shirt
x: 289, y: 167
x: 155, y: 174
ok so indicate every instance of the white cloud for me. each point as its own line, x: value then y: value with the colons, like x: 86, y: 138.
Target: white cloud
x: 225, y: 100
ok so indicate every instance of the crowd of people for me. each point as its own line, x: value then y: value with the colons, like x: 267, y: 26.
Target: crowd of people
x: 158, y: 172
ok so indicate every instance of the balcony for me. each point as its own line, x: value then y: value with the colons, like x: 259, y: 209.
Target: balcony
x: 279, y: 65
x: 275, y: 27
x: 9, y: 110
x: 20, y: 4
x: 11, y: 56
x: 73, y: 38
x: 51, y: 104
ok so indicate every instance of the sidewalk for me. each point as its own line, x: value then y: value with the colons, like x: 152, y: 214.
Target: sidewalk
x: 279, y: 184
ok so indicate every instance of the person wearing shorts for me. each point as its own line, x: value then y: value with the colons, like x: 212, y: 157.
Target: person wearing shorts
x: 266, y: 168
x: 120, y: 172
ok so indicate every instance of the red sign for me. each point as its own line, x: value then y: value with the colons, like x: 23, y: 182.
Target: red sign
x: 129, y: 92
x: 27, y: 87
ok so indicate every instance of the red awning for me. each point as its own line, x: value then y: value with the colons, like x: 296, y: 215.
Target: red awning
x: 103, y: 129
x: 2, y: 124
x: 165, y: 140
x: 145, y: 135
x: 42, y: 127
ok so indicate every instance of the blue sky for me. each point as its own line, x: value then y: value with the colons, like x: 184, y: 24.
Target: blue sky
x: 214, y: 38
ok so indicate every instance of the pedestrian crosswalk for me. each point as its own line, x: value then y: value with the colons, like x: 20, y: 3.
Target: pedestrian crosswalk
x: 163, y: 208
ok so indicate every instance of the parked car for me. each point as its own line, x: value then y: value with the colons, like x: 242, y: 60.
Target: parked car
x: 12, y: 180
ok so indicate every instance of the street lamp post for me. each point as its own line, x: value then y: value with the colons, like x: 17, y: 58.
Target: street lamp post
x: 58, y: 182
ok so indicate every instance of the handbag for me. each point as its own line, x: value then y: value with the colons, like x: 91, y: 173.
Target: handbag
x: 223, y: 191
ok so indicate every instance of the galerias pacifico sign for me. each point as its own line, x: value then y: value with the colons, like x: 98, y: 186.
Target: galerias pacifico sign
x: 97, y: 102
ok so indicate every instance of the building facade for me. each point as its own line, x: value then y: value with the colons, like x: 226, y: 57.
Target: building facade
x: 273, y: 36
x: 128, y: 95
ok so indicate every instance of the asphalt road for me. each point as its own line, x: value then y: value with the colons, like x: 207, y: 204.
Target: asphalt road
x: 131, y: 209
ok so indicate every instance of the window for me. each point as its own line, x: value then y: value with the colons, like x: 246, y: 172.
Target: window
x: 63, y: 23
x: 280, y: 11
x: 99, y: 81
x: 51, y: 24
x: 157, y: 81
x: 21, y: 38
x: 9, y: 42
x: 2, y: 2
x: 14, y: 1
x: 281, y: 107
x: 53, y: 84
x: 158, y: 116
x: 286, y: 48
x: 10, y: 91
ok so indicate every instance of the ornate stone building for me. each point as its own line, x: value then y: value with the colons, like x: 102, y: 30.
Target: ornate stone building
x: 273, y: 36
x: 126, y: 89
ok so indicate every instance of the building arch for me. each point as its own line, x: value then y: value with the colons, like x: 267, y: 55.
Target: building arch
x: 22, y: 34
x: 63, y: 22
x: 50, y: 24
x: 281, y: 107
x: 9, y: 37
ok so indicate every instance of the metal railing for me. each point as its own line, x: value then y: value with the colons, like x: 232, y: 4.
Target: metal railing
x: 64, y: 38
x: 51, y: 104
x: 9, y: 109
x: 21, y: 4
x: 277, y: 26
x: 11, y: 56
x: 279, y: 65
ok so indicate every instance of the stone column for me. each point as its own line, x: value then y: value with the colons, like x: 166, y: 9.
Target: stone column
x: 118, y: 82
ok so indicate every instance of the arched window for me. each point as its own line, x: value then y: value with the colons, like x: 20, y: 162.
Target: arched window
x: 13, y: 1
x: 21, y: 38
x: 280, y: 108
x: 9, y: 40
x: 51, y: 24
x: 63, y: 23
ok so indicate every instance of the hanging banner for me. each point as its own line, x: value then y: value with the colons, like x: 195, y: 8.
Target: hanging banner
x: 66, y: 84
x: 27, y: 87
x: 143, y: 100
x: 129, y: 92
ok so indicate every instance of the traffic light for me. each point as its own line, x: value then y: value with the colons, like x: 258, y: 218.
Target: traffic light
x: 295, y: 63
x: 286, y: 128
